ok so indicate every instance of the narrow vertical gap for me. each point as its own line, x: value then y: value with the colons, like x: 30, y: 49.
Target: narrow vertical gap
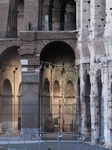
x: 87, y: 101
x: 50, y: 15
x: 62, y: 17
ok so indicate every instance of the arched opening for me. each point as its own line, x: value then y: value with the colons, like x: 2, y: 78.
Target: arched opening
x: 58, y: 53
x: 100, y: 106
x: 56, y: 15
x: 69, y: 118
x: 7, y: 106
x: 15, y: 21
x: 45, y: 15
x: 55, y: 106
x: 12, y: 20
x: 87, y: 104
x: 46, y: 106
x: 56, y: 89
x: 20, y: 16
x: 57, y: 64
x: 19, y: 106
x: 68, y: 15
x: 10, y: 69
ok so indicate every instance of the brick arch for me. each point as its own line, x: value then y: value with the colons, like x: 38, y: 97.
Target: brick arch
x: 44, y: 43
x: 7, y: 44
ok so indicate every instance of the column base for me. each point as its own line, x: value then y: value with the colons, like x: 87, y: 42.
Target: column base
x: 29, y: 133
x: 95, y: 141
x: 86, y: 137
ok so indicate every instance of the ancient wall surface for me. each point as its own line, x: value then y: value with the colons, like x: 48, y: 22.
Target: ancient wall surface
x: 31, y: 14
x: 92, y: 46
x: 4, y: 7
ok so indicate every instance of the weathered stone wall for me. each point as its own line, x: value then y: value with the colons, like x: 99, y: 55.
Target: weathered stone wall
x: 93, y: 61
x: 4, y: 7
x: 31, y: 14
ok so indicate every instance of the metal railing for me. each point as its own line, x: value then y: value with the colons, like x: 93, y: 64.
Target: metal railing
x: 21, y: 142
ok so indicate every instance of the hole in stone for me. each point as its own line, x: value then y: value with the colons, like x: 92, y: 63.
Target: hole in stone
x: 99, y: 25
x: 88, y: 19
x: 47, y: 66
x: 88, y: 1
x: 52, y: 66
x: 110, y: 8
x: 84, y: 10
x: 98, y: 5
x: 102, y: 19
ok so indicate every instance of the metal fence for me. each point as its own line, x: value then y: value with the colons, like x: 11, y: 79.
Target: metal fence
x: 57, y: 139
x: 12, y: 141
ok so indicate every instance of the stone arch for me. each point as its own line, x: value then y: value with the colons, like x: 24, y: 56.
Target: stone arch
x: 10, y: 44
x: 7, y: 106
x: 69, y: 90
x: 70, y: 43
x: 10, y: 69
x: 10, y: 55
x: 56, y: 88
x: 57, y: 60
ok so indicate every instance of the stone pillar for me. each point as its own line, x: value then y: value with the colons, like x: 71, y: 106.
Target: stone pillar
x: 108, y: 27
x: 110, y: 121
x: 110, y: 104
x: 95, y: 111
x: 108, y: 47
x: 40, y: 16
x: 30, y: 102
x: 12, y: 20
x: 94, y: 122
x: 84, y: 129
x: 85, y: 17
x: 105, y: 96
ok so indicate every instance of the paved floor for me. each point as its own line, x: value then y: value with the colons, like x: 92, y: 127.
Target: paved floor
x: 50, y: 145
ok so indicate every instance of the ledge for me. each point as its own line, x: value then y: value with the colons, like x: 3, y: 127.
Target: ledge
x: 47, y: 35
